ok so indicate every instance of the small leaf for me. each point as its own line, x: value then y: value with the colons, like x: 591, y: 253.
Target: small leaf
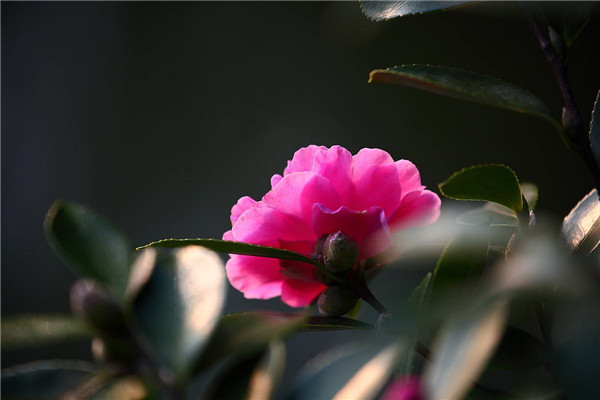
x: 89, y: 244
x: 581, y: 228
x: 462, y: 350
x: 517, y: 350
x: 595, y: 130
x: 39, y: 330
x: 531, y: 193
x: 244, y: 334
x: 255, y: 377
x: 179, y: 307
x: 358, y: 372
x: 466, y: 85
x: 382, y: 10
x: 230, y: 247
x: 41, y: 380
x: 418, y: 298
x: 491, y: 182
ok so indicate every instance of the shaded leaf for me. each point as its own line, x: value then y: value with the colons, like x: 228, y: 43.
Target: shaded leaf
x: 462, y: 349
x: 581, y: 228
x: 255, y: 377
x: 23, y: 331
x: 418, y: 297
x: 382, y: 10
x: 243, y: 334
x: 518, y: 349
x: 466, y: 85
x: 89, y: 244
x: 326, y: 323
x: 179, y: 307
x: 358, y: 372
x: 531, y: 193
x: 44, y: 379
x: 125, y: 388
x: 595, y: 130
x: 491, y: 182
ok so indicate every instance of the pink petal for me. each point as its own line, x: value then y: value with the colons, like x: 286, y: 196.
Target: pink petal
x: 410, y: 179
x: 335, y: 164
x: 375, y: 181
x: 228, y: 235
x: 298, y: 269
x: 296, y: 193
x: 256, y: 277
x: 417, y: 208
x: 243, y: 204
x: 369, y: 228
x: 407, y: 388
x: 275, y: 180
x: 264, y: 225
x: 298, y: 293
x: 303, y: 159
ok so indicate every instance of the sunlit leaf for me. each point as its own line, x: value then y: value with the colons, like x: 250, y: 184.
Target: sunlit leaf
x: 382, y: 10
x: 462, y: 350
x: 42, y: 380
x: 595, y: 130
x: 141, y: 271
x: 491, y: 214
x: 23, y: 331
x: 178, y: 308
x: 244, y: 334
x: 491, y: 182
x: 466, y: 85
x: 531, y: 193
x: 581, y: 228
x: 357, y: 372
x: 517, y: 350
x: 89, y: 244
x: 255, y: 377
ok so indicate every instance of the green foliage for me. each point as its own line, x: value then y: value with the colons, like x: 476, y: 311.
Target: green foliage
x: 518, y: 350
x: 581, y: 228
x: 491, y: 182
x: 24, y: 331
x: 89, y: 244
x: 383, y: 10
x: 595, y: 130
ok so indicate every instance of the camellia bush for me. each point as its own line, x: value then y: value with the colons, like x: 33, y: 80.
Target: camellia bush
x: 510, y: 309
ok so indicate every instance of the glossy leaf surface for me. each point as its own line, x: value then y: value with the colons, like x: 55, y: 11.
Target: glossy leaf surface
x: 382, y: 10
x: 24, y: 331
x: 179, y: 307
x: 491, y: 182
x: 581, y: 228
x: 89, y: 244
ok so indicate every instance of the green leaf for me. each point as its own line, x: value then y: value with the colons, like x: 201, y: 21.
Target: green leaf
x: 581, y: 228
x: 595, y: 130
x: 89, y: 244
x: 466, y: 85
x: 42, y: 380
x: 418, y: 298
x: 531, y: 193
x: 244, y: 334
x: 517, y: 350
x: 226, y: 246
x: 24, y: 331
x: 490, y: 182
x: 382, y: 10
x: 357, y: 372
x: 255, y: 377
x: 124, y: 388
x: 324, y: 323
x: 462, y: 349
x: 178, y: 308
x: 491, y: 214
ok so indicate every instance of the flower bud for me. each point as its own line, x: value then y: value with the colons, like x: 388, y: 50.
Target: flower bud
x: 93, y: 303
x: 336, y: 300
x: 340, y: 253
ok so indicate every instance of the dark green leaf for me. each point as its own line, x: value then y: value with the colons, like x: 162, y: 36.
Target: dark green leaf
x: 358, y: 372
x: 517, y: 350
x: 226, y: 246
x: 323, y: 323
x: 581, y: 228
x: 178, y: 308
x: 89, y: 244
x: 466, y: 85
x: 243, y: 334
x: 418, y: 298
x: 462, y: 349
x: 569, y: 21
x: 491, y: 214
x: 382, y: 10
x: 38, y: 330
x: 255, y: 377
x: 491, y: 182
x: 595, y: 130
x: 41, y: 380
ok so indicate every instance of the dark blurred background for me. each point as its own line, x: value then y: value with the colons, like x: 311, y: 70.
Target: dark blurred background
x: 161, y: 115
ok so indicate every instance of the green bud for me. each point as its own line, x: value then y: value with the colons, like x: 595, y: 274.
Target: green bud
x: 340, y: 252
x: 336, y: 300
x: 93, y: 303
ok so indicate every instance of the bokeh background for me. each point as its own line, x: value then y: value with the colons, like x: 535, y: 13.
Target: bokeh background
x: 161, y: 115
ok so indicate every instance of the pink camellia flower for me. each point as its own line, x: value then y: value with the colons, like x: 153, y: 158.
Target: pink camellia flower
x: 407, y: 388
x: 324, y: 190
